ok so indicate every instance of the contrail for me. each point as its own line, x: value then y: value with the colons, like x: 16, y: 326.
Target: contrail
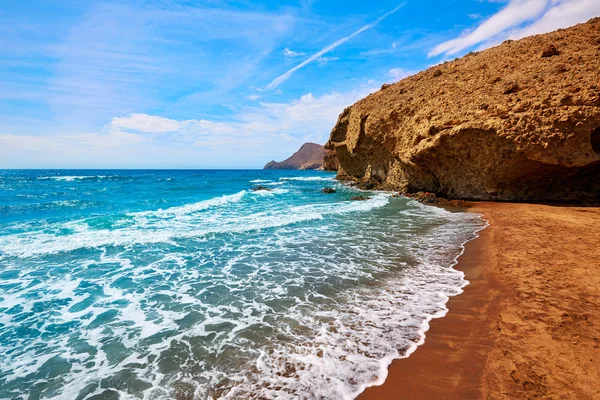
x: 279, y: 80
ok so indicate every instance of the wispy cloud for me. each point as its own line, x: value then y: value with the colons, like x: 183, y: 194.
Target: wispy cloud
x: 145, y: 123
x: 287, y: 53
x: 562, y: 14
x: 397, y: 74
x: 254, y: 97
x: 521, y: 18
x: 514, y: 14
x: 140, y: 140
x: 112, y: 58
x: 326, y: 60
x: 284, y: 77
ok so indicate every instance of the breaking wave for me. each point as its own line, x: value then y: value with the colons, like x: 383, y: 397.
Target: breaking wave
x: 288, y: 294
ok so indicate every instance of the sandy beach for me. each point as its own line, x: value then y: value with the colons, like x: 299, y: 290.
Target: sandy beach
x: 527, y: 326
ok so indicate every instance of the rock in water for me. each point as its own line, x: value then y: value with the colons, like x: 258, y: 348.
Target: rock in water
x: 502, y: 124
x: 261, y: 188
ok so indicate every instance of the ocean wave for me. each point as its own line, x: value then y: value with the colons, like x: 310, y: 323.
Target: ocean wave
x: 67, y: 178
x: 193, y: 207
x: 323, y: 343
x: 285, y: 294
x: 306, y: 178
x: 165, y: 226
x: 261, y: 182
x: 270, y: 192
x: 352, y: 349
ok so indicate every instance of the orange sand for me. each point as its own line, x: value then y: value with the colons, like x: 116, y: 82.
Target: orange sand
x: 528, y: 325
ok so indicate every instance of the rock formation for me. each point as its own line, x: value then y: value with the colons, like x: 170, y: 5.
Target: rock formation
x: 310, y: 156
x: 520, y: 121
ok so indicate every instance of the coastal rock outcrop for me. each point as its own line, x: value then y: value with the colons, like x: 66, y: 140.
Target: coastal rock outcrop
x: 310, y: 156
x: 520, y: 121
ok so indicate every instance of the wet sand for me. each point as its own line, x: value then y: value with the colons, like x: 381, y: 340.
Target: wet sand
x: 527, y: 326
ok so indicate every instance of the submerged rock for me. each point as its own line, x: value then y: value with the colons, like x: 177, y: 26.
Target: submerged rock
x: 258, y: 188
x: 360, y: 198
x: 328, y: 190
x: 501, y: 124
x: 432, y: 199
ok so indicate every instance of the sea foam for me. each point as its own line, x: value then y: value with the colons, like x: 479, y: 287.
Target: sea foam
x: 289, y: 294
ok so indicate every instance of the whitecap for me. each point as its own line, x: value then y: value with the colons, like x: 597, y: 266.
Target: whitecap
x: 193, y: 207
x: 68, y: 178
x: 334, y: 300
x: 180, y: 225
x: 307, y: 178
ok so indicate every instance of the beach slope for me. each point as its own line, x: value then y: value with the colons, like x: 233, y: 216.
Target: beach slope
x: 528, y: 325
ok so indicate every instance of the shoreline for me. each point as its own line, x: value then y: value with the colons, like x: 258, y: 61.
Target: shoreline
x: 497, y: 340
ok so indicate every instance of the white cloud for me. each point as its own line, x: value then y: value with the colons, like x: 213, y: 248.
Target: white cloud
x: 562, y: 14
x: 326, y: 60
x: 254, y: 97
x: 397, y: 74
x: 282, y: 78
x: 111, y: 58
x: 514, y: 14
x: 93, y: 141
x: 145, y: 123
x: 306, y: 115
x: 252, y: 137
x: 290, y: 54
x: 71, y: 150
x: 521, y: 18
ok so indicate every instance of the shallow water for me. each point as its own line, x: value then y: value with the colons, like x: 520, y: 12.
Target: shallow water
x: 188, y: 284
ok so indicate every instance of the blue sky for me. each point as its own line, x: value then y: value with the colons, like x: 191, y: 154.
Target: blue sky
x: 221, y: 84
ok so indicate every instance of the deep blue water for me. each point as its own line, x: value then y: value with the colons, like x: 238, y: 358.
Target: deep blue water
x: 189, y: 284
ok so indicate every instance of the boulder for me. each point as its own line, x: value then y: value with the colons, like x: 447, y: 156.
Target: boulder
x: 360, y: 198
x: 502, y: 124
x: 550, y: 51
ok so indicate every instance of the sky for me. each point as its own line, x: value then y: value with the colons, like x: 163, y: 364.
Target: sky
x: 222, y: 84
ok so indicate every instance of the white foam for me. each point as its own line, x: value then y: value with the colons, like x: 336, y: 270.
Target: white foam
x: 164, y: 226
x: 315, y: 310
x: 68, y: 178
x: 193, y: 207
x: 270, y: 192
x: 306, y: 178
x: 274, y: 183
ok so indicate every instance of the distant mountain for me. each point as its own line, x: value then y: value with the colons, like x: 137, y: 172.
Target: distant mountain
x: 310, y: 156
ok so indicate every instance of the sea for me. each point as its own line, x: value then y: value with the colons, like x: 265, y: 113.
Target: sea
x: 192, y: 285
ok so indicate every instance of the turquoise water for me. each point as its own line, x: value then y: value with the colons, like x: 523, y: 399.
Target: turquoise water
x: 189, y: 285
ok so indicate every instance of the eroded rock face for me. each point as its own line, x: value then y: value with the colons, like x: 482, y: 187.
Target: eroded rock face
x: 520, y: 121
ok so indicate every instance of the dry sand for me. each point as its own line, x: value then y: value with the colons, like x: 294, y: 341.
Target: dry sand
x: 528, y: 325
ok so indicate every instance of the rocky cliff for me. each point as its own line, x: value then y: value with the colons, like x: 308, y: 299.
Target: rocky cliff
x: 520, y: 121
x: 310, y: 156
